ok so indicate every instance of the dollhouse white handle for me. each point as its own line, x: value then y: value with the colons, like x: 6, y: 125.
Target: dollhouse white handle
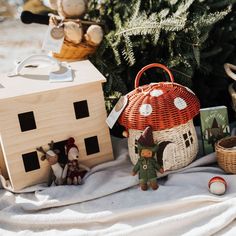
x: 32, y: 59
x: 228, y: 69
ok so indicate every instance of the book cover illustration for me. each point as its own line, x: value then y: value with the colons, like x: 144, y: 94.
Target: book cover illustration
x: 214, y: 126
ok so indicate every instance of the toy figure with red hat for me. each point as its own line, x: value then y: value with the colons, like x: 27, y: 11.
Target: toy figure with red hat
x: 73, y: 171
x: 147, y: 165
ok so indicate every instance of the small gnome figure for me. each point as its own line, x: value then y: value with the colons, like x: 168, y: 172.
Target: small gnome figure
x: 147, y: 165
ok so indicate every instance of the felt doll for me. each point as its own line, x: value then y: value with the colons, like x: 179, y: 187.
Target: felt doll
x: 73, y: 171
x: 147, y: 165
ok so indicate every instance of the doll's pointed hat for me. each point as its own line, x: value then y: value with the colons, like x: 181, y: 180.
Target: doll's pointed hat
x: 146, y: 138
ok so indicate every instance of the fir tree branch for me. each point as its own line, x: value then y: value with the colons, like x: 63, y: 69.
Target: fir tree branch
x: 182, y: 73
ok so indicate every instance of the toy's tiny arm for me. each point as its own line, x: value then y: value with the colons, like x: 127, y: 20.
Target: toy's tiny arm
x: 136, y: 168
x: 161, y: 170
x: 64, y: 173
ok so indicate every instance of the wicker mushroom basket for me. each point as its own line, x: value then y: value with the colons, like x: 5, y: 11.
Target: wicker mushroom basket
x: 226, y: 154
x: 169, y: 109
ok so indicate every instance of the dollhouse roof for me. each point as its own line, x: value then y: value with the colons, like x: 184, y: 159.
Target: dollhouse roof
x: 36, y: 80
x: 161, y: 105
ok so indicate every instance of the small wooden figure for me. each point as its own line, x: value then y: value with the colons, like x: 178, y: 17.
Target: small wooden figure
x: 52, y: 157
x: 147, y: 164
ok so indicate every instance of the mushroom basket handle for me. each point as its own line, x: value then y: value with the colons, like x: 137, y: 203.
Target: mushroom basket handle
x: 138, y: 76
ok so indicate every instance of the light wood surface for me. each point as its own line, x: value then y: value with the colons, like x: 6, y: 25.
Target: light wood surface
x: 36, y: 80
x: 55, y: 120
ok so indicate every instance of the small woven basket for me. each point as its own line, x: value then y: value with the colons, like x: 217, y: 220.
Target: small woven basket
x: 226, y: 154
x: 72, y: 52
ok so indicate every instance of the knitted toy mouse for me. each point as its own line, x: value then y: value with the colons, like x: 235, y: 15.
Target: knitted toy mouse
x: 147, y: 165
x: 70, y: 13
x: 73, y: 171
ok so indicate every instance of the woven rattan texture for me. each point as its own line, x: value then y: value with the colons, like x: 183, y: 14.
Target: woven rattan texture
x: 72, y: 52
x: 226, y: 154
x: 176, y: 155
x: 165, y: 114
x: 233, y: 96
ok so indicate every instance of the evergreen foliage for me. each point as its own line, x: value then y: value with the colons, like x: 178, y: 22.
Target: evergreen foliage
x: 179, y: 34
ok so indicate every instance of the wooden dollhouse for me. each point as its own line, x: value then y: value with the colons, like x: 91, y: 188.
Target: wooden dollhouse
x: 34, y: 111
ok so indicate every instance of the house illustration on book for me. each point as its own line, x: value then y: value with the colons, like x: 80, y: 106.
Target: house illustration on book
x: 214, y: 126
x: 216, y: 130
x: 34, y: 111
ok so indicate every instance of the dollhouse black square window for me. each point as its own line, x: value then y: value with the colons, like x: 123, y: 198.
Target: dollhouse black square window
x: 188, y: 138
x: 81, y: 109
x: 27, y: 121
x: 91, y: 145
x: 31, y: 161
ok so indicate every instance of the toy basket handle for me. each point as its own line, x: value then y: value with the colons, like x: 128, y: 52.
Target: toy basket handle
x: 138, y: 76
x: 228, y: 69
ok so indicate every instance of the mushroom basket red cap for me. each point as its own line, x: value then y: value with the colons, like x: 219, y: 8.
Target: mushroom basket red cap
x: 162, y: 105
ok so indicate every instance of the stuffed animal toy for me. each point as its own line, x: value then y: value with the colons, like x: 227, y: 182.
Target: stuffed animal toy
x: 69, y: 8
x: 73, y: 171
x: 52, y: 157
x: 81, y: 37
x: 70, y: 13
x: 147, y: 165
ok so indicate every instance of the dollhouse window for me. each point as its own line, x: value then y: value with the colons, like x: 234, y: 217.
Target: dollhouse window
x: 81, y: 109
x: 27, y: 121
x: 188, y: 138
x: 91, y: 145
x: 31, y: 161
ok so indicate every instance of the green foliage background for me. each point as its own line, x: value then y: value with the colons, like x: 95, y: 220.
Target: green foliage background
x: 194, y: 38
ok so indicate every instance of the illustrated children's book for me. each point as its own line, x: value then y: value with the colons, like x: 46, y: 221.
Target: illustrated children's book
x: 214, y: 126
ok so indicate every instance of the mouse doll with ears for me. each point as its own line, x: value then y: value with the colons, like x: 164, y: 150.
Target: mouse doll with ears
x: 147, y: 166
x: 73, y: 171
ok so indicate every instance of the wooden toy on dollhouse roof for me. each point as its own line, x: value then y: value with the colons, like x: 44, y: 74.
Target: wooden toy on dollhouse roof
x: 35, y: 111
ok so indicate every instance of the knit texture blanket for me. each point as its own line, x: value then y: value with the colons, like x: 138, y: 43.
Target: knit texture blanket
x: 110, y: 202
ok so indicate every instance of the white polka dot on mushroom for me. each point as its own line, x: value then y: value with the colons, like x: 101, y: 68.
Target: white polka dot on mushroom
x: 156, y: 92
x: 180, y: 103
x: 145, y: 109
